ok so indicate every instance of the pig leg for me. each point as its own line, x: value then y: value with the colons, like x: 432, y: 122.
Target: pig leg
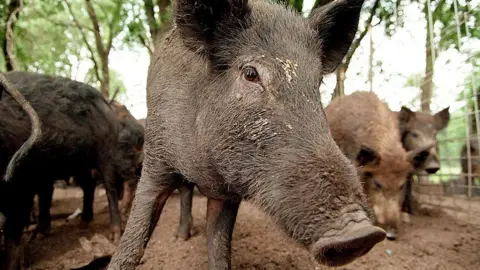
x: 407, y: 202
x: 186, y: 220
x: 15, y: 255
x: 128, y: 193
x: 13, y: 233
x: 45, y: 196
x: 111, y: 190
x: 87, y: 183
x: 152, y: 192
x: 221, y: 216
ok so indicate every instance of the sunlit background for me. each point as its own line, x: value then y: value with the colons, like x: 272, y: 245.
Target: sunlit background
x: 399, y: 59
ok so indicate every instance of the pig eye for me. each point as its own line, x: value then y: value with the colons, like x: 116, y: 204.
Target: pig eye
x: 250, y: 74
x: 414, y: 134
x: 368, y: 175
x: 402, y: 186
x: 378, y: 185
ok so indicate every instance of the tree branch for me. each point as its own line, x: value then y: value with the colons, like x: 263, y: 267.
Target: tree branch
x: 319, y: 3
x: 145, y: 44
x: 162, y: 7
x: 152, y: 22
x: 96, y: 27
x: 358, y: 40
x: 102, y: 51
x: 57, y: 23
x: 16, y: 7
x: 113, y: 26
x: 85, y: 40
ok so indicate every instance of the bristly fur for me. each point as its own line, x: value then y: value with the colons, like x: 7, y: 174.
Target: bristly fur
x: 265, y: 139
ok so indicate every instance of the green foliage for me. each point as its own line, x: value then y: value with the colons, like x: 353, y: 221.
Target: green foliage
x: 390, y: 13
x: 414, y: 80
x: 41, y: 44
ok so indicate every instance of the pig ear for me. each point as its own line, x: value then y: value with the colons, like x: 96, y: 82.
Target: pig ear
x: 367, y: 156
x: 442, y: 118
x: 336, y: 24
x: 199, y: 21
x: 404, y: 116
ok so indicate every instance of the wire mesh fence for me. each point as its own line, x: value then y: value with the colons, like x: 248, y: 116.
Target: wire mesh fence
x: 455, y: 188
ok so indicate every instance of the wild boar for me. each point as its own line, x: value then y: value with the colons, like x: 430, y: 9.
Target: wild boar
x: 234, y: 108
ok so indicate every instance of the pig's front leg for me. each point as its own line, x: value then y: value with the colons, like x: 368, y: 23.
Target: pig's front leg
x: 186, y: 220
x: 221, y: 216
x: 153, y: 191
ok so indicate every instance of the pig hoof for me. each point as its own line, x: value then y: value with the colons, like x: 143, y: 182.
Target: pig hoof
x: 115, y: 235
x: 83, y: 224
x: 183, y: 236
x: 44, y: 229
x: 406, y: 217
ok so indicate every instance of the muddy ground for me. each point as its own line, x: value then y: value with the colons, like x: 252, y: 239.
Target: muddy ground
x: 426, y: 243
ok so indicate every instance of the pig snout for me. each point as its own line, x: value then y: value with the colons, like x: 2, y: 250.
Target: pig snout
x: 391, y: 233
x: 347, y: 244
x: 432, y: 166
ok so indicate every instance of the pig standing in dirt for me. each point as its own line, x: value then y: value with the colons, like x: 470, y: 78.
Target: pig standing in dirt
x: 80, y: 133
x: 367, y: 133
x: 234, y: 107
x: 417, y: 131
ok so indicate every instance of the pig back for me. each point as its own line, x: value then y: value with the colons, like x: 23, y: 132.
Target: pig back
x: 363, y: 119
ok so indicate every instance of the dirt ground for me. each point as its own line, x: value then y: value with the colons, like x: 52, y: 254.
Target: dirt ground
x: 425, y: 243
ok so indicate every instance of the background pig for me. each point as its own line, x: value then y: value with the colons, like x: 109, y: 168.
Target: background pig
x: 234, y: 107
x: 418, y: 130
x: 79, y: 133
x: 367, y: 133
x: 475, y: 163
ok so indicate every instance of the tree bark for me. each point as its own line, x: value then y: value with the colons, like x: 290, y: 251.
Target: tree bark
x: 319, y: 3
x: 8, y: 43
x: 157, y: 27
x: 101, y: 50
x: 339, y: 88
x: 370, y: 60
x: 427, y: 83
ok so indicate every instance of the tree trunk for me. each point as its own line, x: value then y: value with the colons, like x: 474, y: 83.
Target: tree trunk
x: 473, y: 118
x: 427, y: 83
x: 103, y: 51
x: 8, y: 45
x: 105, y: 82
x: 340, y: 87
x: 370, y: 60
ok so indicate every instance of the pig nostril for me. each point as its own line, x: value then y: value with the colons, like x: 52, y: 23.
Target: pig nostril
x: 432, y: 170
x: 391, y: 235
x: 391, y: 238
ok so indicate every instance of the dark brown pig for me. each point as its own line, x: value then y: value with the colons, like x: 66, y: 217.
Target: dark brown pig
x: 131, y: 139
x: 418, y: 130
x: 234, y: 108
x: 367, y: 133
